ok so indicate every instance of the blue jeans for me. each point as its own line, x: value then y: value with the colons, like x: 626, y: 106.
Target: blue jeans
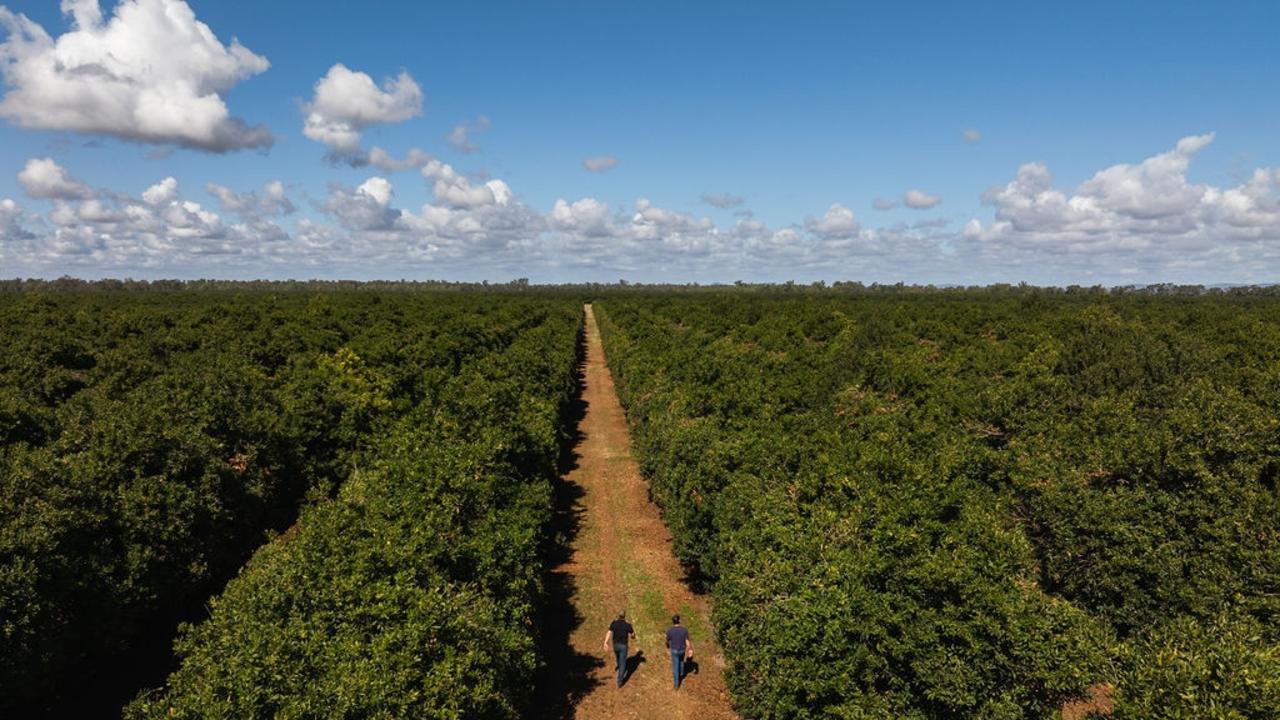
x: 620, y: 651
x: 677, y: 666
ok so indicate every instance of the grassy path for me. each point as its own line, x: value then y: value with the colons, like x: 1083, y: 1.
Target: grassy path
x: 618, y: 557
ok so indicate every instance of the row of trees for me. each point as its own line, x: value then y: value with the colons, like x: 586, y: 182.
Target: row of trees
x: 971, y: 505
x: 414, y: 592
x: 150, y: 443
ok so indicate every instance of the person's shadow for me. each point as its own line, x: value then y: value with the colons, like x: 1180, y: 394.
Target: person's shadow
x: 633, y: 664
x: 690, y: 668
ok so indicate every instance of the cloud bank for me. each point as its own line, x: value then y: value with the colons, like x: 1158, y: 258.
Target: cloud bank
x: 1141, y: 222
x: 1140, y: 216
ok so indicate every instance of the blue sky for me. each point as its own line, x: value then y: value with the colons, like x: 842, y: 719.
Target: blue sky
x: 794, y: 108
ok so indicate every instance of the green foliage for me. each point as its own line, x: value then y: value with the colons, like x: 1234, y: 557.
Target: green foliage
x: 1222, y: 669
x: 413, y: 593
x: 950, y: 506
x: 150, y: 443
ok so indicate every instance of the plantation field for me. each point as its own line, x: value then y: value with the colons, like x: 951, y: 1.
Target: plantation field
x: 970, y: 505
x: 260, y: 501
x: 153, y: 441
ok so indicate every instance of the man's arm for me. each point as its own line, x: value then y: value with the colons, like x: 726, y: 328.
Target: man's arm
x: 608, y: 639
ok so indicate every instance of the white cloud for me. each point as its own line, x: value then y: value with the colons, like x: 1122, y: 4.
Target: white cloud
x: 883, y: 204
x: 785, y: 246
x: 648, y: 215
x: 1251, y: 206
x: 920, y: 200
x: 377, y: 188
x: 368, y: 207
x: 453, y: 189
x: 346, y: 102
x: 838, y: 222
x: 600, y: 163
x: 153, y: 73
x: 162, y: 193
x: 186, y: 219
x: 724, y: 201
x: 114, y: 230
x: 460, y: 136
x: 667, y: 234
x: 587, y: 216
x: 584, y: 234
x: 1156, y: 188
x: 1148, y: 211
x: 1128, y: 223
x: 972, y: 136
x: 44, y: 178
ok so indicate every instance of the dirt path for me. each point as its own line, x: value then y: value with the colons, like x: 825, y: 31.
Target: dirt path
x: 618, y: 557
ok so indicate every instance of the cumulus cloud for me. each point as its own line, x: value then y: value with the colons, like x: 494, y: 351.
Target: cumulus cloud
x: 920, y: 200
x: 1156, y: 188
x: 724, y: 202
x: 584, y: 233
x: 367, y: 207
x: 650, y: 216
x: 588, y: 217
x: 460, y: 136
x: 162, y: 193
x: 1149, y: 212
x: 883, y: 204
x: 346, y: 102
x: 153, y: 73
x: 786, y: 245
x: 453, y: 189
x: 972, y: 136
x: 46, y: 179
x: 600, y: 163
x: 838, y: 222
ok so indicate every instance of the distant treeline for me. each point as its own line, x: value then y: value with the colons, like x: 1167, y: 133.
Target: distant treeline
x: 71, y: 284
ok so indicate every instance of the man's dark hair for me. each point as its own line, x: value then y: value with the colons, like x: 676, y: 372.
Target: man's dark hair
x: 622, y: 616
x: 675, y: 619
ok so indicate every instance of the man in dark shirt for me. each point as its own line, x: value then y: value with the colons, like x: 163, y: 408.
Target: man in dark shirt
x: 681, y: 648
x: 616, y: 639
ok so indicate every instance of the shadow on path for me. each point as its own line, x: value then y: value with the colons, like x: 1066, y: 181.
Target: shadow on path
x: 633, y: 664
x: 568, y: 675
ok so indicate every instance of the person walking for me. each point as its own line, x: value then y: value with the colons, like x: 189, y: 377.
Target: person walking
x: 681, y: 649
x: 616, y: 640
